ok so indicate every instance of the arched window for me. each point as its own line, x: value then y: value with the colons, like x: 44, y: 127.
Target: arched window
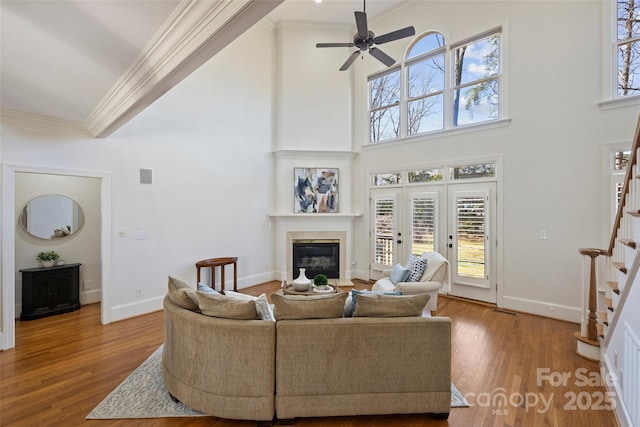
x: 443, y: 87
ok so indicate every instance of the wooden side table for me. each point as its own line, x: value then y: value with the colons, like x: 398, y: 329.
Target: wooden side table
x: 219, y: 262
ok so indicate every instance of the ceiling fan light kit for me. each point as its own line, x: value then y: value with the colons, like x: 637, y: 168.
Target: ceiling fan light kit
x: 365, y: 40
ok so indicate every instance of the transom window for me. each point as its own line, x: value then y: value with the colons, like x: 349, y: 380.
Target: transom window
x: 435, y: 175
x: 437, y: 87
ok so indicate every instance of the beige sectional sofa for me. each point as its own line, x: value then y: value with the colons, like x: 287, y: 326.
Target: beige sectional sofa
x: 308, y: 367
x: 221, y: 367
x: 363, y: 366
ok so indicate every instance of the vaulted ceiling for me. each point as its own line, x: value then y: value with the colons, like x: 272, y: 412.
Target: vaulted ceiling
x: 90, y: 66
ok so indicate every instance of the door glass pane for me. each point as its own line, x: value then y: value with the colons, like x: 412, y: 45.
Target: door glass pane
x: 470, y: 217
x: 423, y: 225
x: 384, y: 226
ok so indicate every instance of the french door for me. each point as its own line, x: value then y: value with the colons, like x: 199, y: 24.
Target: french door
x: 471, y: 240
x: 457, y: 220
x: 405, y: 222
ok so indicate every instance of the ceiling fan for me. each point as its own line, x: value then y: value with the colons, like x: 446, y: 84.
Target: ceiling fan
x: 365, y: 40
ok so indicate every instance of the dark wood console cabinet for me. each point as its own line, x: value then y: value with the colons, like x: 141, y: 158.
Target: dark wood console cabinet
x: 49, y: 291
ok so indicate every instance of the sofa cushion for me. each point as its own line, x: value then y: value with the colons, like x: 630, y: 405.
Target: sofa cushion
x: 399, y: 274
x: 261, y: 302
x: 180, y: 293
x: 417, y: 267
x: 323, y: 306
x: 379, y: 305
x: 350, y: 304
x: 227, y: 307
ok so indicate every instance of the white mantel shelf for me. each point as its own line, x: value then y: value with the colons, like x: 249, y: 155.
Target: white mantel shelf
x: 315, y: 215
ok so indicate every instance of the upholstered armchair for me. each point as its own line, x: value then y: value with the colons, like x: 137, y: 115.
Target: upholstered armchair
x: 435, y: 279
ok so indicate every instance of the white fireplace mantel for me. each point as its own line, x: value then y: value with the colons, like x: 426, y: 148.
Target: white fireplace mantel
x: 290, y: 226
x: 338, y: 225
x: 315, y: 216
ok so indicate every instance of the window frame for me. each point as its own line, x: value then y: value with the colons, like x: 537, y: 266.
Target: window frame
x: 610, y: 98
x: 399, y: 103
x: 448, y: 50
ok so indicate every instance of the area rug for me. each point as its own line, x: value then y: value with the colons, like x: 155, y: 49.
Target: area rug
x: 143, y: 395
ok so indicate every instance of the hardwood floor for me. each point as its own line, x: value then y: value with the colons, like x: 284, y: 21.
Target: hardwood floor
x: 64, y: 365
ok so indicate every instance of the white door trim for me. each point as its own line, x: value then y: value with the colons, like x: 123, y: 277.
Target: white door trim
x: 8, y: 232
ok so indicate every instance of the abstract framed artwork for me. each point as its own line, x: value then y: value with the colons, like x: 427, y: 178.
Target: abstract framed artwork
x: 315, y: 190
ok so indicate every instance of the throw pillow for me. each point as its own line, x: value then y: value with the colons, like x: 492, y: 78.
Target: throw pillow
x: 323, y: 306
x: 411, y: 262
x: 182, y: 294
x: 399, y: 274
x: 227, y: 307
x: 368, y: 305
x: 417, y: 270
x: 262, y: 304
x: 350, y: 304
x: 207, y: 289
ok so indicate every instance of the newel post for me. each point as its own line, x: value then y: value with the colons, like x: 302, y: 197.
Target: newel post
x: 592, y: 333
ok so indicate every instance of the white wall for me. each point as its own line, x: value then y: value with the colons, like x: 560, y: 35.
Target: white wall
x: 314, y: 98
x: 207, y: 142
x: 550, y: 149
x: 81, y: 247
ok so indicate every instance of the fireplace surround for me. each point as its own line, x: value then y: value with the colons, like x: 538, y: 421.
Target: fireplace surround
x: 341, y: 237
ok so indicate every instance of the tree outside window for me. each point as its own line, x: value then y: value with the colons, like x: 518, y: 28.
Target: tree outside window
x: 384, y: 94
x: 628, y: 42
x: 476, y: 68
x: 431, y: 102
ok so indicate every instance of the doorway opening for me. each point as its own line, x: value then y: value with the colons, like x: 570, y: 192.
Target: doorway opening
x: 9, y: 231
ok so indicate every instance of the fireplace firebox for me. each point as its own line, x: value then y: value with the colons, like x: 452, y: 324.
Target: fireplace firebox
x: 317, y: 257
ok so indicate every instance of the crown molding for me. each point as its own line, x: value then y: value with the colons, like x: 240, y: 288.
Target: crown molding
x: 194, y: 33
x: 33, y: 121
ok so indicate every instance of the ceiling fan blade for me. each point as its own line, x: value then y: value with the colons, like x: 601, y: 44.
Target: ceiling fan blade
x: 382, y: 57
x: 350, y: 60
x: 361, y: 24
x: 335, y: 44
x: 395, y: 35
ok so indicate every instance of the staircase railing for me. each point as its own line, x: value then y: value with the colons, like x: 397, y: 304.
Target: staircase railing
x: 633, y: 160
x: 618, y: 223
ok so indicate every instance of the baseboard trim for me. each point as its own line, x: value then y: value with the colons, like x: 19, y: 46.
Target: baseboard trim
x: 127, y: 311
x: 545, y: 309
x: 90, y: 297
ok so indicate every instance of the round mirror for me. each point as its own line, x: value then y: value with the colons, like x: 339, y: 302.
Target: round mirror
x: 52, y: 217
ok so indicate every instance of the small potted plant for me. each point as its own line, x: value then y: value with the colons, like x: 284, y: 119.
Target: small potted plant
x: 320, y: 284
x: 47, y: 259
